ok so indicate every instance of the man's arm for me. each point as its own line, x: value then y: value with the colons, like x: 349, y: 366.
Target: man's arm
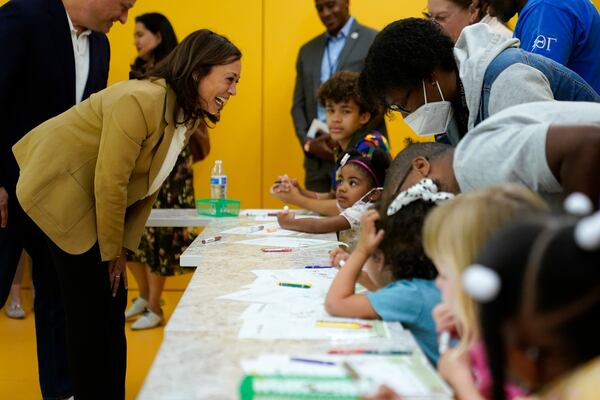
x: 13, y: 53
x: 299, y: 103
x: 548, y: 30
x: 573, y: 155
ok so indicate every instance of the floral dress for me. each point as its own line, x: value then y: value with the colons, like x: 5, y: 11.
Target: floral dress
x: 160, y: 248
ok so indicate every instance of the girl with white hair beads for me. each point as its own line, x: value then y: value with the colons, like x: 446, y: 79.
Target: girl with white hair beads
x: 537, y: 283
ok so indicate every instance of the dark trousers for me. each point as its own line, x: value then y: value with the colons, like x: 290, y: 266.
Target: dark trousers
x: 21, y: 233
x: 95, y: 320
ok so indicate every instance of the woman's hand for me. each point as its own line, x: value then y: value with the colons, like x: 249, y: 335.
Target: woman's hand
x: 336, y: 255
x: 370, y: 238
x: 117, y: 270
x: 444, y: 318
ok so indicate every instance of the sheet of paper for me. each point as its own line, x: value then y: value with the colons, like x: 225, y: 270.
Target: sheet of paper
x: 315, y: 126
x: 269, y: 229
x: 292, y: 242
x: 305, y: 330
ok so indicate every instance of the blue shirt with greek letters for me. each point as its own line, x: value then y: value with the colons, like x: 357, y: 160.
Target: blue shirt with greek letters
x: 565, y: 31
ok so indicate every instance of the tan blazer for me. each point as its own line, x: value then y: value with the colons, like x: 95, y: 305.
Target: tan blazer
x: 85, y: 174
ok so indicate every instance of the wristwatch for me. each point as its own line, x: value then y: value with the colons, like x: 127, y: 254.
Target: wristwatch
x: 307, y: 145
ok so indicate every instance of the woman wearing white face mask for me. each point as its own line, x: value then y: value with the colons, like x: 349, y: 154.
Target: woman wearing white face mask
x: 413, y: 67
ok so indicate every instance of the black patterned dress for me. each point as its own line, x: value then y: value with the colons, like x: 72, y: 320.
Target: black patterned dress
x: 160, y: 248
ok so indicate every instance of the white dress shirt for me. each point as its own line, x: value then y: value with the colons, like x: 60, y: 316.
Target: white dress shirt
x: 81, y: 52
x: 175, y: 148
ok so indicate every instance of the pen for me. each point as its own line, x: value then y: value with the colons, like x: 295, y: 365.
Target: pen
x: 286, y: 209
x: 295, y: 284
x: 311, y: 361
x: 346, y: 325
x: 256, y: 228
x: 367, y: 351
x: 276, y: 249
x: 210, y: 240
x: 318, y: 266
x: 444, y: 341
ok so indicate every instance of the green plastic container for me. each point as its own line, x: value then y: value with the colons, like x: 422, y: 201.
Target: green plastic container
x: 218, y: 207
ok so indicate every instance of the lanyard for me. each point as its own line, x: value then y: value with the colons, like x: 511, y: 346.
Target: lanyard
x: 331, y: 64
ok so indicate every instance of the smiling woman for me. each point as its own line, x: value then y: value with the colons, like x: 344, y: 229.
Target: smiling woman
x: 90, y: 176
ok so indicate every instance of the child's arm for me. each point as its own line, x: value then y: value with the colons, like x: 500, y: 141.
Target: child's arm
x: 337, y: 255
x: 456, y: 370
x: 313, y: 225
x: 341, y: 299
x: 322, y: 203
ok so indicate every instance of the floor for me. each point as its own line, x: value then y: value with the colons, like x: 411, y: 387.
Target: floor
x: 18, y: 362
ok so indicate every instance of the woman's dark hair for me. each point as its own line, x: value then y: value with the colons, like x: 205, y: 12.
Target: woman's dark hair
x: 158, y: 24
x: 187, y: 64
x: 403, y: 54
x: 378, y: 161
x: 549, y: 286
x: 402, y: 244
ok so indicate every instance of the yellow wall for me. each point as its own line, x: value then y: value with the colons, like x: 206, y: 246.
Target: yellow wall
x: 255, y: 138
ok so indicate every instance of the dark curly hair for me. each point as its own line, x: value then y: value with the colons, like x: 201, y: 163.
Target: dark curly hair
x: 402, y: 244
x: 403, y: 54
x: 343, y: 87
x: 378, y: 162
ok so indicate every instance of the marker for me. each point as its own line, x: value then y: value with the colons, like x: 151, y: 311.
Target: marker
x: 318, y: 266
x: 340, y: 324
x: 443, y: 342
x: 375, y: 352
x: 351, y: 371
x: 210, y: 240
x: 311, y: 361
x: 276, y: 249
x: 255, y: 228
x: 295, y: 284
x: 286, y: 209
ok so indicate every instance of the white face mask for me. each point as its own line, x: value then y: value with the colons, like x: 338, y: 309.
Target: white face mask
x: 363, y: 203
x: 431, y: 118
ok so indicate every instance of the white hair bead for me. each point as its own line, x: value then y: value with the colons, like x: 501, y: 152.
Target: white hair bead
x: 578, y: 204
x: 481, y: 283
x: 587, y: 232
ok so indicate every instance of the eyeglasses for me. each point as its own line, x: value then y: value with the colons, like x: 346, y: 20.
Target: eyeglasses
x: 395, y: 106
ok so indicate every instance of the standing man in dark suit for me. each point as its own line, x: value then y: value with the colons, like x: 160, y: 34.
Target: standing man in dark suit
x: 54, y: 55
x: 343, y: 47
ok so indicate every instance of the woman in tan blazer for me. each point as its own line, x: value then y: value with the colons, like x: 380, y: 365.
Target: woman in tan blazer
x: 89, y: 178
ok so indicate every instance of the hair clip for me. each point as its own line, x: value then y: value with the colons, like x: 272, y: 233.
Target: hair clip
x: 587, y: 232
x: 424, y: 190
x: 578, y: 204
x: 481, y: 283
x: 344, y: 159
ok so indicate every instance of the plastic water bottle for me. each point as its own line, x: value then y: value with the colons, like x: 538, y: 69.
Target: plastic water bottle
x: 218, y: 181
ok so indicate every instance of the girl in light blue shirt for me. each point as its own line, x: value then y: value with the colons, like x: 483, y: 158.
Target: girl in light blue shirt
x: 397, y: 267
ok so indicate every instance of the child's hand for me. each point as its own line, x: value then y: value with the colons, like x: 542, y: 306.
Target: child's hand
x: 287, y: 194
x: 336, y: 255
x: 444, y: 318
x: 282, y: 184
x: 370, y: 238
x: 286, y: 219
x: 454, y: 368
x: 384, y: 393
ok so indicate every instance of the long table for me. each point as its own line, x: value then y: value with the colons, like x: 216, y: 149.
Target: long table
x: 201, y: 352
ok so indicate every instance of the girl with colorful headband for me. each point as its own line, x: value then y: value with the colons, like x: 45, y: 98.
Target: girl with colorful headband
x: 359, y: 185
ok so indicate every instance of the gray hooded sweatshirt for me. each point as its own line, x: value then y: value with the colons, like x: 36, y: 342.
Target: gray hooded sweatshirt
x: 475, y: 49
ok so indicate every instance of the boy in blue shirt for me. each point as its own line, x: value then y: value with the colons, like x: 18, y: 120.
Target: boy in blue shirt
x: 565, y: 31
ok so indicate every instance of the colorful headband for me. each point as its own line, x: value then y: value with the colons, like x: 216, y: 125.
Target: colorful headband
x: 369, y: 170
x: 424, y: 190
